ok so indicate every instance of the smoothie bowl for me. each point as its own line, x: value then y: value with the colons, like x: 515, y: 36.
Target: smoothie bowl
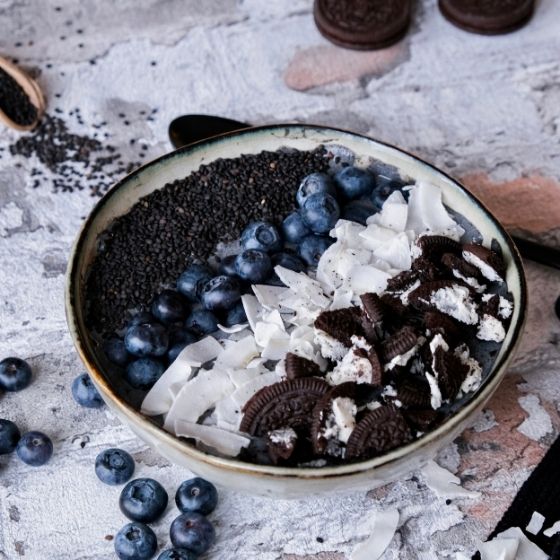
x: 292, y: 310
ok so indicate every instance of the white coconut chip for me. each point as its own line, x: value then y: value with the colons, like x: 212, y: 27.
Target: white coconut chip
x: 223, y: 441
x: 253, y: 309
x: 234, y: 328
x: 160, y: 397
x: 374, y: 236
x: 348, y: 232
x: 302, y: 284
x: 551, y: 531
x: 382, y: 533
x: 526, y: 550
x: 341, y: 299
x: 200, y: 352
x: 394, y: 213
x: 444, y: 483
x: 238, y: 354
x: 426, y: 212
x: 535, y: 523
x: 365, y: 278
x: 327, y: 273
x: 198, y: 395
x: 269, y: 296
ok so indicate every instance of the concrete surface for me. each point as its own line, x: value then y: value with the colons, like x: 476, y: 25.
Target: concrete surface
x: 484, y: 109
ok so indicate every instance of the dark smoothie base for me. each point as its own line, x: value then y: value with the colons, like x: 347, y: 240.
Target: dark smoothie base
x: 150, y: 246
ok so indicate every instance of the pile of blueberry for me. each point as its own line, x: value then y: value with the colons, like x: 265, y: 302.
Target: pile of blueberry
x: 33, y: 448
x: 204, y: 298
x: 144, y: 500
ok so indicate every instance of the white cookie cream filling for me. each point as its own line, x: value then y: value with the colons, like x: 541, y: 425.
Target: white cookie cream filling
x: 283, y: 436
x: 331, y: 348
x: 505, y: 308
x: 342, y: 420
x: 436, y: 398
x: 474, y: 376
x: 404, y: 295
x: 352, y: 367
x: 456, y: 302
x: 491, y: 329
x: 403, y: 359
x: 473, y: 282
x: 487, y: 271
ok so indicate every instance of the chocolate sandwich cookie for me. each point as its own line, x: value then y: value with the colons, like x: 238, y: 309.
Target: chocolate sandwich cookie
x: 362, y: 24
x: 286, y: 404
x: 372, y: 317
x: 381, y: 430
x: 323, y: 416
x: 341, y: 324
x: 488, y: 17
x: 398, y: 344
x: 450, y: 372
x: 457, y: 264
x: 297, y: 367
x: 433, y: 247
x: 423, y: 419
x: 490, y: 263
x: 281, y: 445
x: 439, y: 323
x: 402, y: 281
x: 425, y: 269
x: 414, y: 392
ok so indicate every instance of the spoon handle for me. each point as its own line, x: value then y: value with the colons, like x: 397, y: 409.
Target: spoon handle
x: 538, y: 253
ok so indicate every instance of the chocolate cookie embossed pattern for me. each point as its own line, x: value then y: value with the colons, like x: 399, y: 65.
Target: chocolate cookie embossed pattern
x: 362, y: 24
x: 294, y: 481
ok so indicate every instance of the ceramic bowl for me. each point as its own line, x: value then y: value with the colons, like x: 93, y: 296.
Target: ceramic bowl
x: 267, y: 480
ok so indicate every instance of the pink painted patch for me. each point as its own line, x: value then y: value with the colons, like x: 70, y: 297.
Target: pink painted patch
x: 321, y: 65
x: 529, y: 203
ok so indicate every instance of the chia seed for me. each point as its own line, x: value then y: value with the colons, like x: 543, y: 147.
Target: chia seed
x: 14, y: 102
x: 150, y: 246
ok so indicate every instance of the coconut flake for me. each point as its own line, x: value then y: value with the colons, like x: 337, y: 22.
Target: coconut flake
x: 535, y: 523
x: 382, y: 533
x: 348, y: 232
x: 396, y: 252
x: 253, y: 309
x: 198, y: 395
x: 302, y: 284
x: 234, y: 328
x: 394, y: 213
x: 363, y: 279
x: 200, y: 352
x: 160, y: 397
x: 374, y: 236
x: 444, y: 483
x: 427, y: 214
x: 238, y: 354
x: 551, y: 531
x: 223, y: 441
x: 269, y: 296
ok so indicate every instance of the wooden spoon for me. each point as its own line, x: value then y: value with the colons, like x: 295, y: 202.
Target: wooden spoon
x: 31, y: 89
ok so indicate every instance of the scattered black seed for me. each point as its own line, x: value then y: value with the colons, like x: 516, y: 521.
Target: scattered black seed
x: 71, y: 161
x: 14, y: 102
x: 153, y: 243
x: 320, y: 540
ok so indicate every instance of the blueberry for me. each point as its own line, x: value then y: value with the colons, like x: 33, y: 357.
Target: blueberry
x: 143, y: 373
x: 15, y: 374
x: 9, y: 436
x: 197, y: 495
x: 381, y: 194
x: 358, y: 211
x: 353, y: 182
x: 227, y: 266
x: 236, y: 315
x: 142, y: 317
x: 114, y: 466
x: 320, y: 212
x: 313, y: 247
x: 34, y: 448
x: 143, y: 499
x: 115, y: 351
x: 253, y: 265
x: 191, y: 281
x: 221, y: 293
x: 192, y: 531
x: 294, y: 229
x: 85, y: 393
x: 135, y: 541
x: 202, y: 321
x: 169, y: 307
x: 262, y: 236
x: 313, y: 184
x: 179, y: 338
x: 146, y: 339
x: 288, y: 260
x: 177, y: 554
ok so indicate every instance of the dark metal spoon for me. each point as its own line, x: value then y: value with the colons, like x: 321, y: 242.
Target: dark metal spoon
x: 192, y: 128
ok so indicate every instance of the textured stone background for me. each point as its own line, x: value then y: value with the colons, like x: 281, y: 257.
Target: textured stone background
x: 484, y: 109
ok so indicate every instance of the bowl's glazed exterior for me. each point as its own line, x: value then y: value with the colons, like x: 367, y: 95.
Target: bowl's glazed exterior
x: 266, y: 480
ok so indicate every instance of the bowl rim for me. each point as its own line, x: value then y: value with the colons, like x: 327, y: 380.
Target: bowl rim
x: 133, y: 416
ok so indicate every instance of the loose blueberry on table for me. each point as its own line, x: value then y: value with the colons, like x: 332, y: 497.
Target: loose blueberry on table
x: 135, y: 541
x: 193, y: 532
x: 114, y: 466
x: 15, y: 374
x: 34, y: 448
x: 197, y: 495
x: 9, y: 436
x: 85, y: 392
x: 143, y: 499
